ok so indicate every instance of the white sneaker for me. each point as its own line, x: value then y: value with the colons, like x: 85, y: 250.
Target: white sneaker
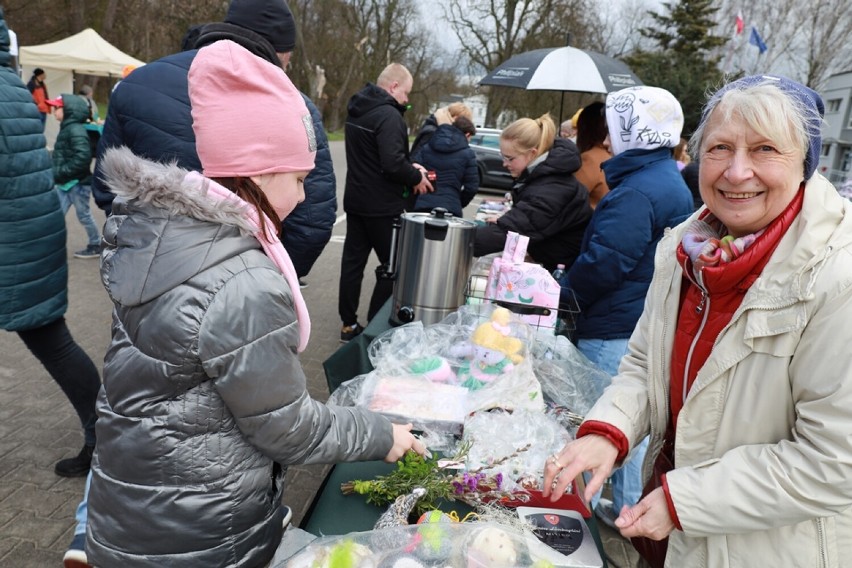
x: 75, y: 556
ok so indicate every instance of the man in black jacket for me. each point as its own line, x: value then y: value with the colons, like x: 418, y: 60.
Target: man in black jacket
x: 381, y: 182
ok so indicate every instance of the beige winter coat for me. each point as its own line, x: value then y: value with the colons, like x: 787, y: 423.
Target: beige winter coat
x: 763, y: 453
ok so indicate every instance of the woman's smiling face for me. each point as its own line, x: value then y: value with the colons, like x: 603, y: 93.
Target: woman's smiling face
x: 746, y: 179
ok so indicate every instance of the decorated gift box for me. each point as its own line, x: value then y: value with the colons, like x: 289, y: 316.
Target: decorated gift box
x: 526, y: 288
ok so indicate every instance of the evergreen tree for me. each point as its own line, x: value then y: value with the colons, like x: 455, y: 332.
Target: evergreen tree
x: 684, y: 63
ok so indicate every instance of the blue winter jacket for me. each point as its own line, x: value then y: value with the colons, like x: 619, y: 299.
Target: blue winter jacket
x: 611, y: 276
x: 449, y: 155
x: 149, y: 112
x: 33, y: 265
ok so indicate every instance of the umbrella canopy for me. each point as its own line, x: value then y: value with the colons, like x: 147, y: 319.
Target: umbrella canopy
x: 562, y: 69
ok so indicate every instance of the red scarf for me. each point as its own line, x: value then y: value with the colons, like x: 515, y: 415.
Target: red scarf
x: 726, y: 285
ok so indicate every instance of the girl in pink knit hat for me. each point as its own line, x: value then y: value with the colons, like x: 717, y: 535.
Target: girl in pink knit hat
x: 204, y: 399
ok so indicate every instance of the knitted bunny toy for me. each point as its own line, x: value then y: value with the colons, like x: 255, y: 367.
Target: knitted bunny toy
x: 494, y: 351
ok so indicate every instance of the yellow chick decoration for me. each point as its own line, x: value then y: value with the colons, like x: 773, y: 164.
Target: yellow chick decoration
x: 494, y: 351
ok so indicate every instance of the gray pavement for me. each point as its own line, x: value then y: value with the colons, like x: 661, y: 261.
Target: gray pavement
x: 38, y: 426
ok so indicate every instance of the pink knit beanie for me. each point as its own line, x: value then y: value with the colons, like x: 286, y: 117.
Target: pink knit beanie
x: 248, y: 117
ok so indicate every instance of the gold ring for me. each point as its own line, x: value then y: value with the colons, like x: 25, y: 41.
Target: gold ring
x: 556, y: 462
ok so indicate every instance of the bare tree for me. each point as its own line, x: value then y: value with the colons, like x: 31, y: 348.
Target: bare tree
x: 491, y: 32
x: 146, y: 29
x: 326, y: 38
x: 616, y: 30
x: 827, y: 39
x: 352, y: 41
x: 806, y: 41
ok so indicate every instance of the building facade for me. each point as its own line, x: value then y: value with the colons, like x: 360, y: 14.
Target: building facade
x: 835, y: 160
x: 478, y: 105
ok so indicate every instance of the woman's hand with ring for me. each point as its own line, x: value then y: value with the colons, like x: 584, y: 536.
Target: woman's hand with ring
x: 589, y: 453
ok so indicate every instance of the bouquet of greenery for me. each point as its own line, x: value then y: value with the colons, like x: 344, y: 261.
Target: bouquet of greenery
x: 440, y: 482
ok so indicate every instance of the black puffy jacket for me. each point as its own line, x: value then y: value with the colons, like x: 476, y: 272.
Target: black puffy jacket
x: 549, y: 206
x: 149, y: 112
x: 379, y: 174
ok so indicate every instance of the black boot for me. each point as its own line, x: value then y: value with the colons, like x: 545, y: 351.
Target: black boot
x: 77, y: 466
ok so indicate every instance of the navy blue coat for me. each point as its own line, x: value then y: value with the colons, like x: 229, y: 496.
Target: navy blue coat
x: 611, y: 276
x: 33, y: 265
x: 449, y: 155
x: 149, y: 112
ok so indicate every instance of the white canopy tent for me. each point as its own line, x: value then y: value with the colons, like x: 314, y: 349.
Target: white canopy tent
x: 86, y: 53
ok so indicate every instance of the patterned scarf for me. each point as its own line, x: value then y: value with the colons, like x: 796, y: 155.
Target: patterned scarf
x: 707, y: 244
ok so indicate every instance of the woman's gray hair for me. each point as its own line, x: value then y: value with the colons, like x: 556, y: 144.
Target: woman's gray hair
x: 782, y: 110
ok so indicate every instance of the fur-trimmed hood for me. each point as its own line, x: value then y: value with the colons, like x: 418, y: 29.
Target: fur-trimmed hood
x: 163, y: 225
x: 165, y: 186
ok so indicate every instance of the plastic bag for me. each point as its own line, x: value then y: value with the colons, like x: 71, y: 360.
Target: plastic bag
x: 477, y: 358
x: 514, y: 445
x: 567, y: 377
x: 442, y: 544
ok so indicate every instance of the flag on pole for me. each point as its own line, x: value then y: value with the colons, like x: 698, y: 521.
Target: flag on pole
x: 740, y: 24
x: 756, y: 40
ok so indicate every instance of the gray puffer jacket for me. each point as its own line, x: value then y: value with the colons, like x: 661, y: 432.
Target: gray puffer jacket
x: 203, y: 394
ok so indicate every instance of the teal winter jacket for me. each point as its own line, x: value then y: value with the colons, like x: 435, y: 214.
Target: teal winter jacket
x: 33, y: 265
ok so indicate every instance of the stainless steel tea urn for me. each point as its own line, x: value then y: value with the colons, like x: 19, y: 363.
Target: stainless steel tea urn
x: 433, y: 256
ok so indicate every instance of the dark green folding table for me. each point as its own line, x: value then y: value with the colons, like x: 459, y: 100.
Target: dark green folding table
x: 351, y: 359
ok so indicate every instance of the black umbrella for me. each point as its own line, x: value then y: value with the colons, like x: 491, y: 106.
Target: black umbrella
x: 562, y: 69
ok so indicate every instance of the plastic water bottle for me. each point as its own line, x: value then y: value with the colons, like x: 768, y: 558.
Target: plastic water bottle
x: 559, y: 273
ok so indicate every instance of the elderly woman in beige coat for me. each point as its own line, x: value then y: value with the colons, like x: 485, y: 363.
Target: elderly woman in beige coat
x: 740, y: 368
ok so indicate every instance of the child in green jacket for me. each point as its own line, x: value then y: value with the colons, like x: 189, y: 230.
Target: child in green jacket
x: 72, y: 159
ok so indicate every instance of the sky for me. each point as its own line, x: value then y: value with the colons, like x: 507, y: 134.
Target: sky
x: 447, y: 37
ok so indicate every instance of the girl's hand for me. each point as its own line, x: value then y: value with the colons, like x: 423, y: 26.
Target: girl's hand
x: 403, y: 440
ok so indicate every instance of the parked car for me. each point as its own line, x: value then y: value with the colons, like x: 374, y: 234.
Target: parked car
x: 487, y: 137
x: 492, y: 174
